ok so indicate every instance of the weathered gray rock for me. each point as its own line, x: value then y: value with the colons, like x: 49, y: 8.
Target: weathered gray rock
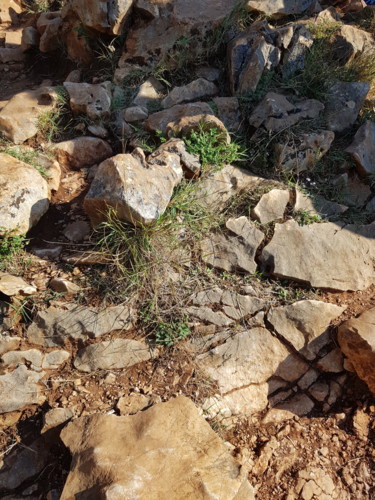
x: 30, y: 38
x: 201, y: 465
x: 82, y: 151
x: 304, y: 322
x: 363, y: 149
x: 271, y: 206
x: 228, y: 111
x: 193, y: 91
x: 54, y: 327
x: 138, y: 191
x: 325, y: 255
x: 112, y: 354
x: 31, y: 357
x: 275, y: 112
x: 299, y: 405
x: 8, y: 343
x: 238, y: 306
x: 190, y: 163
x: 62, y: 285
x: 135, y: 114
x: 166, y: 118
x: 149, y: 93
x: 279, y: 8
x: 357, y: 341
x: 344, y: 101
x: 350, y: 42
x: 207, y: 315
x: 93, y: 100
x: 303, y: 152
x: 49, y: 26
x: 294, y: 56
x: 52, y: 360
x: 24, y: 195
x: 20, y: 388
x: 231, y: 253
x: 14, y: 285
x: 317, y: 206
x: 19, y: 117
x: 55, y: 417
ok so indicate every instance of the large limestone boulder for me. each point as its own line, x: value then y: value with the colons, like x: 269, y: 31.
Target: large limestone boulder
x: 24, y: 195
x: 332, y: 256
x: 19, y: 117
x: 279, y: 8
x: 137, y: 190
x: 357, y: 341
x: 137, y: 456
x: 363, y: 149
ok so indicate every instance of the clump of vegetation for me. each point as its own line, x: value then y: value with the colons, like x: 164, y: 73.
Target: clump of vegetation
x: 211, y: 147
x: 29, y: 157
x: 168, y: 334
x: 304, y: 217
x: 11, y: 246
x: 52, y: 123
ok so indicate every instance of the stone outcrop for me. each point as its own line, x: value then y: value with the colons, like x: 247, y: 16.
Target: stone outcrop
x: 24, y: 195
x: 279, y: 8
x: 193, y: 91
x: 93, y: 100
x: 109, y: 452
x: 363, y: 149
x: 337, y: 257
x: 271, y: 206
x: 357, y: 341
x: 82, y: 152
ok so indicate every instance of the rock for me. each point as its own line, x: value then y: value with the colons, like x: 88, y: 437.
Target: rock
x: 62, y: 285
x: 9, y: 11
x: 135, y: 114
x: 303, y: 322
x: 19, y: 117
x: 317, y: 206
x: 271, y: 206
x: 77, y: 45
x: 200, y: 464
x: 299, y: 405
x: 370, y: 207
x: 55, y: 417
x: 207, y: 297
x: 98, y: 131
x: 332, y: 362
x: 53, y: 327
x: 363, y: 149
x: 207, y: 315
x: 147, y: 8
x: 228, y: 111
x: 30, y: 38
x: 47, y: 253
x: 93, y: 100
x: 8, y: 343
x: 20, y: 388
x: 332, y: 256
x: 49, y: 26
x: 350, y: 42
x: 187, y: 124
x: 344, y: 101
x: 216, y: 189
x: 275, y: 112
x: 132, y: 404
x: 52, y: 169
x: 77, y: 231
x: 108, y: 16
x: 14, y: 285
x: 32, y: 358
x: 24, y: 195
x: 208, y: 73
x: 138, y: 191
x: 308, y: 379
x: 168, y: 117
x: 231, y: 253
x: 244, y: 363
x: 11, y: 55
x: 315, y: 482
x: 303, y: 152
x: 190, y: 163
x: 193, y: 91
x: 52, y: 360
x: 24, y: 463
x: 238, y: 306
x: 355, y: 193
x: 74, y: 76
x: 329, y: 15
x: 294, y: 56
x: 82, y: 151
x: 361, y: 424
x: 280, y: 8
x: 291, y: 369
x: 357, y: 341
x: 149, y: 93
x: 111, y: 355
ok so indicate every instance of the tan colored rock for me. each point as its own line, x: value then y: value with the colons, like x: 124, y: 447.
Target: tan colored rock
x: 185, y: 125
x: 8, y: 343
x: 125, y: 454
x: 94, y: 100
x: 52, y: 360
x: 279, y: 8
x: 357, y: 341
x: 20, y: 388
x: 275, y: 112
x: 31, y: 357
x: 138, y: 191
x: 207, y: 315
x: 135, y: 114
x: 303, y: 322
x: 228, y: 111
x: 299, y: 405
x: 189, y: 162
x: 111, y: 355
x: 24, y: 195
x: 9, y: 11
x: 271, y: 206
x: 49, y: 26
x: 14, y: 285
x: 193, y: 91
x: 166, y: 118
x: 30, y: 38
x: 332, y: 256
x: 56, y: 417
x: 132, y: 404
x: 148, y: 93
x: 304, y: 151
x: 350, y: 42
x: 317, y: 206
x: 363, y: 149
x: 19, y: 117
x: 82, y: 151
x: 61, y: 285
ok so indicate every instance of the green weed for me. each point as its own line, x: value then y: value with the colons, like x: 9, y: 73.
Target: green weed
x: 52, y: 123
x: 29, y: 157
x: 304, y: 217
x: 11, y: 247
x: 168, y: 334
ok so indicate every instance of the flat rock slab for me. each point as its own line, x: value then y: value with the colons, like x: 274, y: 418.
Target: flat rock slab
x: 357, y: 341
x: 112, y: 354
x: 303, y: 322
x: 318, y: 206
x: 162, y: 119
x: 279, y: 8
x: 24, y: 195
x: 20, y: 388
x: 271, y: 206
x: 327, y: 255
x: 54, y: 327
x: 121, y: 456
x: 193, y: 91
x: 363, y: 149
x: 14, y: 285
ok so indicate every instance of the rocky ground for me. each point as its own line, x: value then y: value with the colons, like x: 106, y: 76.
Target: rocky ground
x: 187, y: 249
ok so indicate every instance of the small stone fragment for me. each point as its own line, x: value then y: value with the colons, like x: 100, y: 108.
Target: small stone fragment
x: 271, y: 206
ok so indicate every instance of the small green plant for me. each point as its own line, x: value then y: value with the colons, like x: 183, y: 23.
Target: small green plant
x: 11, y: 244
x: 304, y: 217
x: 211, y: 147
x: 168, y: 334
x: 50, y: 123
x: 29, y: 157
